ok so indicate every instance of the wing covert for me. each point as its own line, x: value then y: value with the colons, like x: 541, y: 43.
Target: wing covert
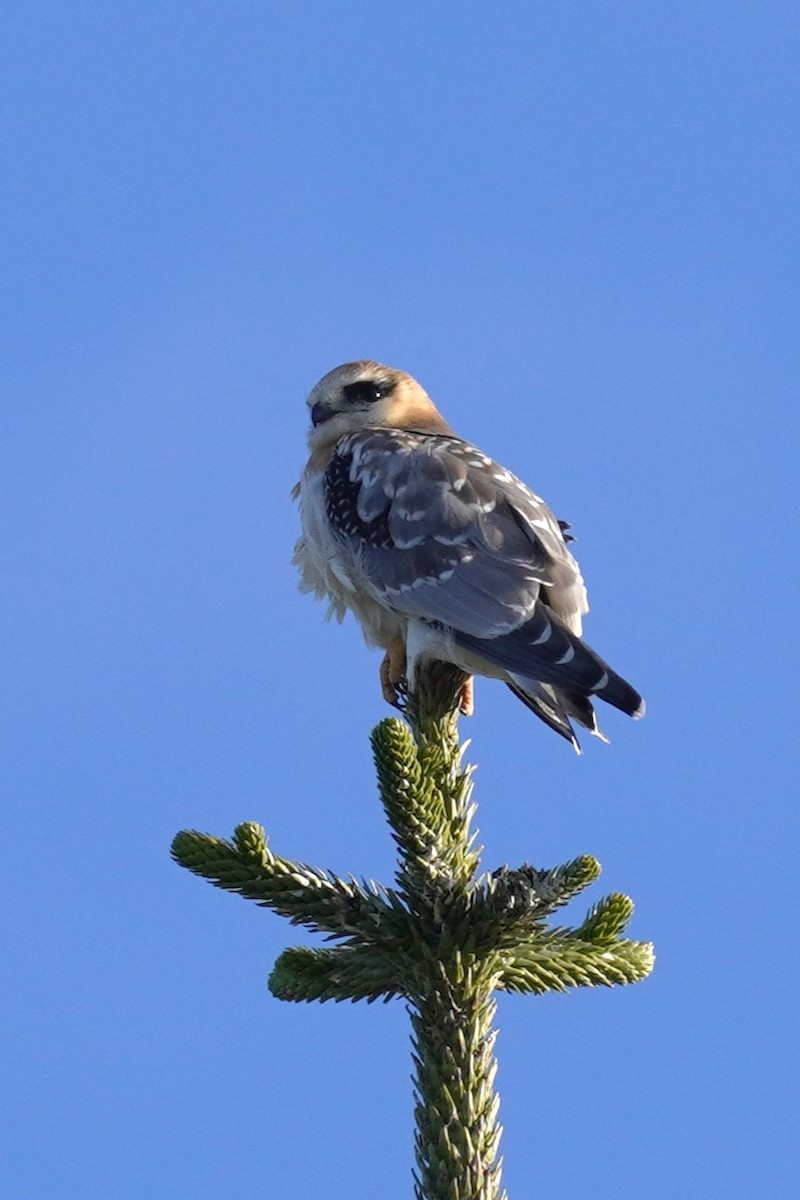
x: 435, y: 529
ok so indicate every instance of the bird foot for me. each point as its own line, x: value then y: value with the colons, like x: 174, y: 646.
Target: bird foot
x: 466, y: 699
x: 393, y: 674
x: 395, y: 687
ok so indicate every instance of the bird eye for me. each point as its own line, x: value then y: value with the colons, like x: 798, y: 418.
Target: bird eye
x: 366, y: 391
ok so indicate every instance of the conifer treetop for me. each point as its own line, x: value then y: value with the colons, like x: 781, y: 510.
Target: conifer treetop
x: 445, y: 936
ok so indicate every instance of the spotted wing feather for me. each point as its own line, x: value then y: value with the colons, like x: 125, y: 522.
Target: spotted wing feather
x: 437, y: 530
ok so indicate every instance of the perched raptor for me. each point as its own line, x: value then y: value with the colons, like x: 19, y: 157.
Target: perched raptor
x: 441, y: 553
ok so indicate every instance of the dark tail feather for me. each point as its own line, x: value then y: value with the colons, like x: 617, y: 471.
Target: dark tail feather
x: 548, y: 710
x: 544, y: 651
x: 556, y: 707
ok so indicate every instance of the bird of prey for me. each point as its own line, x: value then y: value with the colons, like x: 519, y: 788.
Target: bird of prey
x: 443, y: 554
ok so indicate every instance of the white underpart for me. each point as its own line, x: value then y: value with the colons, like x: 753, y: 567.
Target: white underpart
x: 424, y: 642
x: 325, y: 572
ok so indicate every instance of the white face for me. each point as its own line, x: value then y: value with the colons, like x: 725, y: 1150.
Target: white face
x: 364, y: 394
x: 361, y: 392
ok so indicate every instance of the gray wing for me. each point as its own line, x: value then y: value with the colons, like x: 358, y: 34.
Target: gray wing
x: 435, y: 529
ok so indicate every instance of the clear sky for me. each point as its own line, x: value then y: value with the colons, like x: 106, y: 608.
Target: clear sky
x: 577, y: 225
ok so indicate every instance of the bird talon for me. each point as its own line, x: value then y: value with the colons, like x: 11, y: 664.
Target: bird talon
x: 466, y: 699
x: 392, y: 674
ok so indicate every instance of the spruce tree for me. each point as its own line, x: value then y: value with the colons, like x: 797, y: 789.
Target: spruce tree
x: 445, y: 937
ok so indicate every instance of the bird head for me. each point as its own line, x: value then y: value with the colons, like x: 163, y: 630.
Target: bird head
x: 367, y: 394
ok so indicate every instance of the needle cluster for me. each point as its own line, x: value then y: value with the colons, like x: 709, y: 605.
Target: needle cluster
x: 445, y: 937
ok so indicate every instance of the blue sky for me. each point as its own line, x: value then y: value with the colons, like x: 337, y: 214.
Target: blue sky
x: 577, y: 225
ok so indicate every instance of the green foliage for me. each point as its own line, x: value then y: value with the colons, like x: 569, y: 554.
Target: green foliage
x: 445, y: 938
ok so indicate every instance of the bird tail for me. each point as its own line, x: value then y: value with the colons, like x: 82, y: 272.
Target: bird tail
x: 555, y: 707
x: 554, y: 673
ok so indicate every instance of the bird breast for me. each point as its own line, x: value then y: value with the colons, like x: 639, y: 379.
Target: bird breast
x: 327, y: 573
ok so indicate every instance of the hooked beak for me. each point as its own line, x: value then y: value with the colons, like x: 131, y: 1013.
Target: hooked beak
x: 320, y: 412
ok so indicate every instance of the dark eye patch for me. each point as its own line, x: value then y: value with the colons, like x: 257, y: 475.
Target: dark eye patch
x: 367, y: 391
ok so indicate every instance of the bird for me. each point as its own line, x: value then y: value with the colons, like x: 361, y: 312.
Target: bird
x: 443, y: 554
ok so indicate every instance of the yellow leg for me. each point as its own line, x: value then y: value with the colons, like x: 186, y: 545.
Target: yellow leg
x: 392, y: 673
x: 466, y: 702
